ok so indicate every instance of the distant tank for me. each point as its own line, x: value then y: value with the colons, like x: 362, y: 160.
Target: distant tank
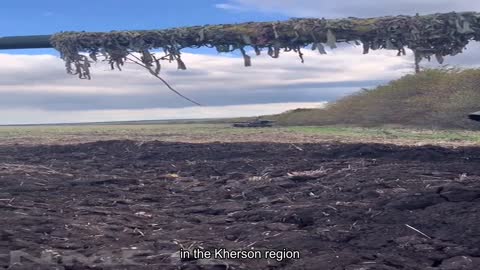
x: 255, y: 123
x: 475, y: 116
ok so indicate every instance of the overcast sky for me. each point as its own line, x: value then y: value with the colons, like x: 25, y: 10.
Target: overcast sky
x: 36, y: 89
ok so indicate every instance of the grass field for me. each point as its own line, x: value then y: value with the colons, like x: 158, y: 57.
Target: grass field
x: 199, y: 133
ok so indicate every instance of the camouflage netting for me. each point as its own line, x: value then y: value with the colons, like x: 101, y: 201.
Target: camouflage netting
x: 431, y: 35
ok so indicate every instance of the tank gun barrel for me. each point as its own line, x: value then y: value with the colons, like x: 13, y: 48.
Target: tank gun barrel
x: 25, y: 42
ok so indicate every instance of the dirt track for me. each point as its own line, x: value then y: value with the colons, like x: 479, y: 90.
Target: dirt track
x: 111, y: 204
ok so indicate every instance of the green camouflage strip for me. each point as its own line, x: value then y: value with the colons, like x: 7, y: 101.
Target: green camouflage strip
x: 436, y: 35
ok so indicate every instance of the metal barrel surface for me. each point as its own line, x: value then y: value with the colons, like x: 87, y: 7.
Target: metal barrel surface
x: 475, y: 116
x: 25, y: 42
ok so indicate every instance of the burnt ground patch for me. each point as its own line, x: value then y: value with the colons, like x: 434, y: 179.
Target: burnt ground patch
x: 132, y: 205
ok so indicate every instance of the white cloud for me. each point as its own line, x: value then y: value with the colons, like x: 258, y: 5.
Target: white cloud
x: 38, y: 86
x: 45, y: 73
x: 357, y: 8
x: 232, y: 7
x: 36, y: 116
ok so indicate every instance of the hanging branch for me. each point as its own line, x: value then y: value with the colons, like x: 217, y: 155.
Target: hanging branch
x: 436, y: 35
x: 155, y: 73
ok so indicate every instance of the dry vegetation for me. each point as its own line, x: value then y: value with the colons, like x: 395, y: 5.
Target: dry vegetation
x: 430, y: 99
x: 210, y: 133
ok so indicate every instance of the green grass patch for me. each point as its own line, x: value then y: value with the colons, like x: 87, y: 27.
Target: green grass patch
x: 226, y: 133
x: 386, y: 133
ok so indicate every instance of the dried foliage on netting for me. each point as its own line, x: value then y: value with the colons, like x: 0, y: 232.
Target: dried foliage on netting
x: 430, y: 35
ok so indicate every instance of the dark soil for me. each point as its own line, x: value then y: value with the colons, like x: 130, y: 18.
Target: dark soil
x: 127, y: 205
